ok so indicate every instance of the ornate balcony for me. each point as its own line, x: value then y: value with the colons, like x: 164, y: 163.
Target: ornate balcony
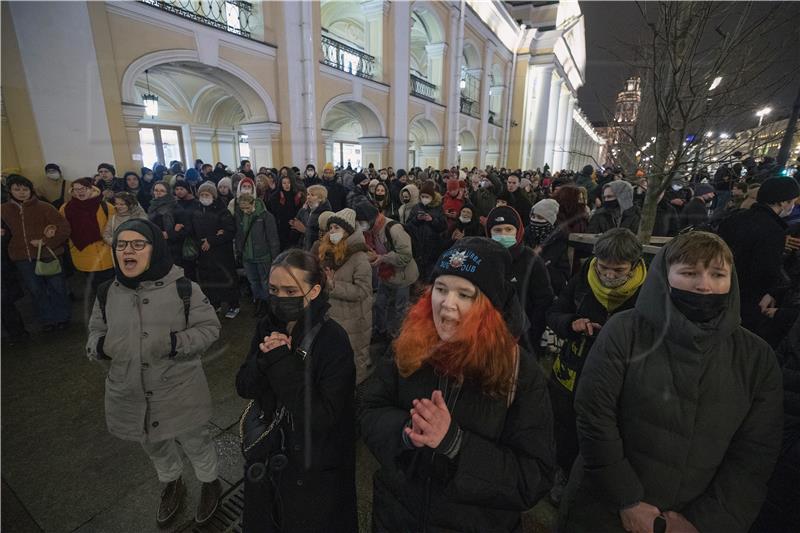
x: 347, y: 59
x: 423, y: 88
x: 233, y: 16
x: 470, y: 107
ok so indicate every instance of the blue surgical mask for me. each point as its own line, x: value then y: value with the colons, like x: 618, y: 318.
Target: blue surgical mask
x: 506, y: 240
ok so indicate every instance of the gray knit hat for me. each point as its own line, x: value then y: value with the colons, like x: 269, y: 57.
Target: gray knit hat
x: 345, y: 219
x: 209, y: 187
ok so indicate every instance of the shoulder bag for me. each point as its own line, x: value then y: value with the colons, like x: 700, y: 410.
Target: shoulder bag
x: 258, y: 430
x: 47, y: 268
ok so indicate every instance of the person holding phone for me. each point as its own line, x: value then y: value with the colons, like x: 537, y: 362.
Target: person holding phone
x: 607, y: 284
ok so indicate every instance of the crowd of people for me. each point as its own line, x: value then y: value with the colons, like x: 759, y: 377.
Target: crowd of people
x: 631, y: 389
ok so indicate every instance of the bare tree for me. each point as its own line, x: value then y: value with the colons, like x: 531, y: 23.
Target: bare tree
x: 687, y: 45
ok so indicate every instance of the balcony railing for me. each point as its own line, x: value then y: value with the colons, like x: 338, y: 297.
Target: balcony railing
x: 470, y: 107
x: 423, y: 88
x: 233, y: 16
x: 347, y: 59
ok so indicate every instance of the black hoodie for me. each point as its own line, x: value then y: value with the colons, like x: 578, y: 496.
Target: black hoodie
x: 684, y: 416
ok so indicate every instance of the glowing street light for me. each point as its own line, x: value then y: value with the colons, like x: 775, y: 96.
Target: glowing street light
x: 761, y: 113
x: 724, y: 136
x: 715, y: 83
x: 709, y: 134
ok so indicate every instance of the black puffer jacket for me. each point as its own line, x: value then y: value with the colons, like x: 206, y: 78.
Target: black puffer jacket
x: 605, y: 219
x: 683, y: 417
x: 319, y: 496
x: 503, y: 467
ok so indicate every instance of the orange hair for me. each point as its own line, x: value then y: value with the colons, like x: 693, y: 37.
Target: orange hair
x: 332, y: 255
x: 483, y: 350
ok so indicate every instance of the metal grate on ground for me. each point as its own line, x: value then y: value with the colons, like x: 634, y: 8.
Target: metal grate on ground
x: 227, y: 519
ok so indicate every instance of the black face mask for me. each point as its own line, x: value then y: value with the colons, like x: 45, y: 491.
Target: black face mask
x: 698, y: 307
x: 287, y: 308
x: 611, y: 204
x: 380, y: 197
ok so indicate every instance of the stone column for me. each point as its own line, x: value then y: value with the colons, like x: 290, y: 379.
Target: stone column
x: 436, y: 54
x: 453, y: 99
x: 373, y: 150
x: 431, y: 155
x: 327, y: 137
x: 259, y: 137
x: 398, y: 97
x: 568, y: 125
x: 374, y: 12
x: 226, y: 144
x: 542, y: 84
x: 131, y: 115
x: 561, y: 125
x: 201, y: 141
x: 488, y: 53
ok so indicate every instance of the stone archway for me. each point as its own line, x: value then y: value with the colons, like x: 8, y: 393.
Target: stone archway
x: 354, y: 132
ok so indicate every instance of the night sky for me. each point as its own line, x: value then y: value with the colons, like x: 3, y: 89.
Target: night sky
x: 611, y: 25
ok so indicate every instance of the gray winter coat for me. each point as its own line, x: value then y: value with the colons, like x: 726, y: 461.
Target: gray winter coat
x: 405, y: 209
x: 399, y: 256
x: 351, y: 302
x: 151, y: 395
x: 683, y: 417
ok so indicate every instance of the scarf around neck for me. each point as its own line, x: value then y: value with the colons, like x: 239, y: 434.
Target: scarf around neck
x: 82, y: 217
x: 613, y: 298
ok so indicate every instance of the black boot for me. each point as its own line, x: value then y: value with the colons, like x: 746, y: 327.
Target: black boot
x: 209, y: 500
x: 171, y: 499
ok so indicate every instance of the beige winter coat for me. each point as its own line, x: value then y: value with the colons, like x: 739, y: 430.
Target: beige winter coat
x: 151, y: 396
x: 351, y: 301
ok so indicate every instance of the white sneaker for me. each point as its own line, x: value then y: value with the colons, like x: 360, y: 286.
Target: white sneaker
x: 232, y: 313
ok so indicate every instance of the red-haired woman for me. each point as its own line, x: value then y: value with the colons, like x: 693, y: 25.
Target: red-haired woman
x: 459, y: 420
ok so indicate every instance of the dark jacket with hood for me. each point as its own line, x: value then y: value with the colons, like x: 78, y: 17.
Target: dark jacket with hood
x: 503, y: 466
x: 757, y: 238
x: 666, y: 224
x: 285, y: 206
x: 337, y: 194
x: 161, y: 212
x: 531, y: 282
x: 319, y: 496
x: 555, y: 254
x: 216, y: 268
x: 256, y: 235
x: 684, y: 416
x: 627, y: 215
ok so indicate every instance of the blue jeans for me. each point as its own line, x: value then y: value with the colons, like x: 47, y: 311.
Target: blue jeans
x: 387, y: 317
x: 49, y: 294
x: 258, y: 275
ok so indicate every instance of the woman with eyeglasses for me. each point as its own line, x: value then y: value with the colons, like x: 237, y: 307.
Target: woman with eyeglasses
x: 151, y: 331
x: 88, y: 214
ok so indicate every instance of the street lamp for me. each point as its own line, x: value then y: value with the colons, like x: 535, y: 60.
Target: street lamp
x: 709, y: 134
x: 724, y: 136
x: 459, y: 155
x: 761, y: 113
x: 715, y: 83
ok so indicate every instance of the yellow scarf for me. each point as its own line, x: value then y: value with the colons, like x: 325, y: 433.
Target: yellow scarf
x: 613, y: 298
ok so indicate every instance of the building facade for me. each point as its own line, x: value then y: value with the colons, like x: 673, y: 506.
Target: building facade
x: 289, y: 83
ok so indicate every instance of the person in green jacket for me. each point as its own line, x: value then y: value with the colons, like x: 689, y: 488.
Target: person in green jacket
x: 257, y: 243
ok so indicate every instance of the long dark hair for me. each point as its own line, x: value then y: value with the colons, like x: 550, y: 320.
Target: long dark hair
x: 305, y: 261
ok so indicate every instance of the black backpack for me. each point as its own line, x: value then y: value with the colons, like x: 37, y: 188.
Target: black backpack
x: 183, y: 284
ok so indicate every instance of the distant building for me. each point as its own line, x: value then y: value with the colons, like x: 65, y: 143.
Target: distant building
x: 625, y: 115
x: 758, y: 141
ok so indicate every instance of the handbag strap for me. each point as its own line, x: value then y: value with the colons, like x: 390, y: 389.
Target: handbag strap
x: 39, y: 252
x: 308, y: 340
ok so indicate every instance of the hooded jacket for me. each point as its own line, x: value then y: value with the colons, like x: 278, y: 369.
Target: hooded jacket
x: 428, y: 233
x: 256, y: 235
x: 405, y: 209
x: 627, y: 216
x: 155, y: 390
x: 683, y: 416
x: 531, y: 282
x: 350, y: 297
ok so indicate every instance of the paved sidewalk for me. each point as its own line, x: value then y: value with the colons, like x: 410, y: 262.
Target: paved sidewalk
x: 63, y: 472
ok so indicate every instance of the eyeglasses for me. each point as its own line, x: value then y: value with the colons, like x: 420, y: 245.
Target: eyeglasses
x: 138, y: 244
